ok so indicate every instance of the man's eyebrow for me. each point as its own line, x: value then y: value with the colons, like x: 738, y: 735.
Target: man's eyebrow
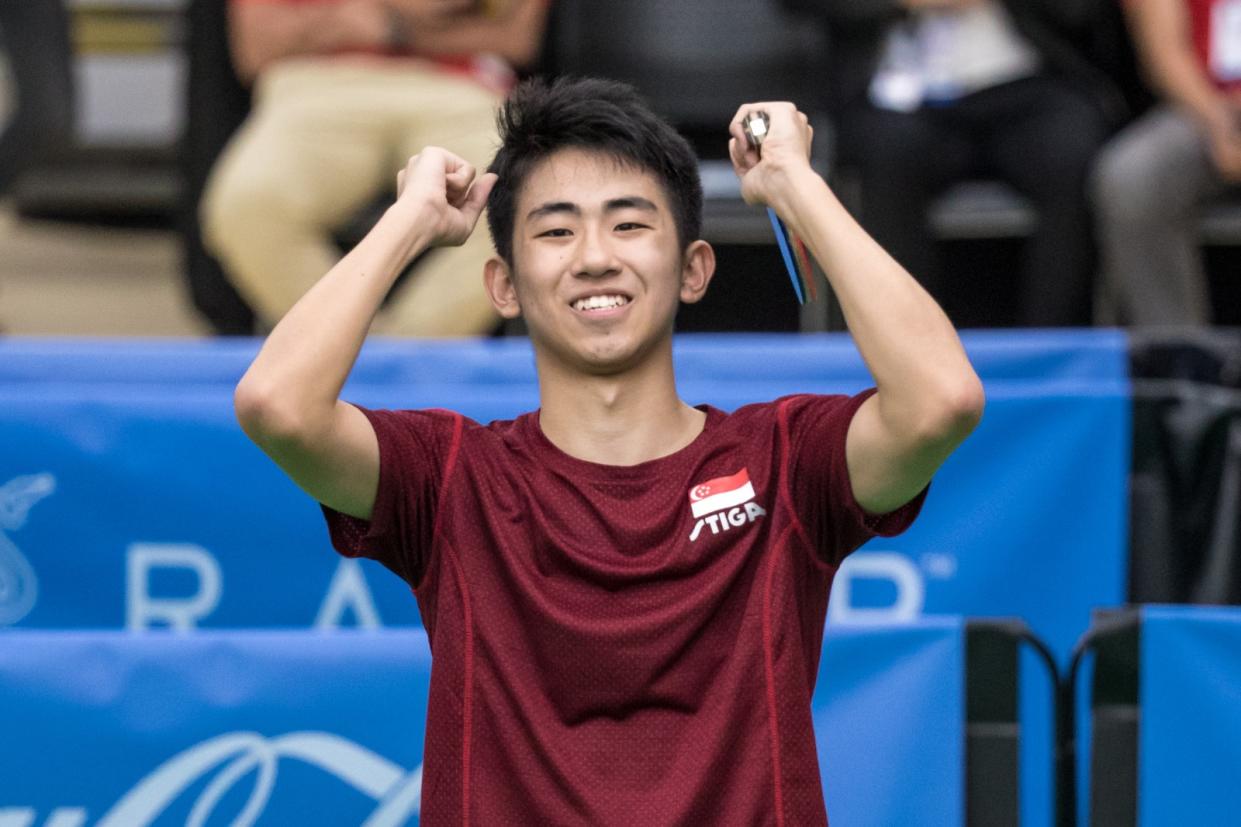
x: 552, y: 207
x: 627, y: 202
x: 635, y: 202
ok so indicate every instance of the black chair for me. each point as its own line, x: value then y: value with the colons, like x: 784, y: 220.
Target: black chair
x: 216, y: 103
x: 1114, y: 642
x: 992, y: 719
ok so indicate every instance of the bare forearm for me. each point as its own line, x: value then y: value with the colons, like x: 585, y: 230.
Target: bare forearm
x: 296, y: 379
x: 263, y: 33
x: 516, y: 37
x: 911, y: 348
x: 1161, y: 33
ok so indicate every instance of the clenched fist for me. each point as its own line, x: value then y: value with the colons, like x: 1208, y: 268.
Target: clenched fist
x: 441, y: 194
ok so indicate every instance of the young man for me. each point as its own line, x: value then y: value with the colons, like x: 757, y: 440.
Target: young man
x: 624, y: 594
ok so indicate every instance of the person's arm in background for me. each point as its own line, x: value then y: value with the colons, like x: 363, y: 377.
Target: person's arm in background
x: 929, y: 398
x: 263, y: 32
x: 1164, y: 42
x: 515, y: 33
x: 288, y: 401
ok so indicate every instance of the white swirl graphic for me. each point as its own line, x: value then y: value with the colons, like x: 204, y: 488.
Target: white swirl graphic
x: 19, y: 588
x: 396, y: 792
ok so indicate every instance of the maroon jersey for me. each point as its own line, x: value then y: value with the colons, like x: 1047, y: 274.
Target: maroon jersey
x: 619, y: 645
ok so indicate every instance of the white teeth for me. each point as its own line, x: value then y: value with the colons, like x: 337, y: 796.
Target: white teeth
x: 599, y: 302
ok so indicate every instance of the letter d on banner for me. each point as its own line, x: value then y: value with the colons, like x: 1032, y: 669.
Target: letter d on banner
x: 895, y: 568
x: 181, y: 613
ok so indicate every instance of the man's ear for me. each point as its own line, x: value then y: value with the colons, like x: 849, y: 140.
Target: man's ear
x: 697, y: 270
x: 498, y: 279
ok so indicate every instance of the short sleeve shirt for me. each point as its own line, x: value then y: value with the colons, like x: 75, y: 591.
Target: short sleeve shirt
x: 620, y: 645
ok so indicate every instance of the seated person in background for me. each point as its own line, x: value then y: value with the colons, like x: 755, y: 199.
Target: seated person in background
x: 930, y: 92
x: 1153, y: 176
x: 343, y: 91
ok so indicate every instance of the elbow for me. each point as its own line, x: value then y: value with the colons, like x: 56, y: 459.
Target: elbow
x: 524, y: 56
x: 263, y: 418
x: 964, y: 407
x: 246, y: 65
x: 954, y: 413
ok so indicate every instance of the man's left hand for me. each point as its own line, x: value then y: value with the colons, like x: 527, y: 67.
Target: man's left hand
x: 785, y: 150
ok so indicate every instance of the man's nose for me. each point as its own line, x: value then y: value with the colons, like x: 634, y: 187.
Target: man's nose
x: 595, y: 255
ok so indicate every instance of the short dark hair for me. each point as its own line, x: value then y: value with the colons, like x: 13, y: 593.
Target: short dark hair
x: 541, y: 117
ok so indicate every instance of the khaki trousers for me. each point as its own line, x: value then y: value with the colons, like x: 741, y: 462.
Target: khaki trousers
x: 325, y: 138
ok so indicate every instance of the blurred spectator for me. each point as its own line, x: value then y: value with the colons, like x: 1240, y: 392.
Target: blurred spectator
x: 930, y: 92
x: 35, y: 38
x: 1153, y: 176
x: 344, y: 91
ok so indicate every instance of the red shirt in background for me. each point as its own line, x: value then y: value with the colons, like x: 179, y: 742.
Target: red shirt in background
x: 620, y: 645
x: 1216, y: 26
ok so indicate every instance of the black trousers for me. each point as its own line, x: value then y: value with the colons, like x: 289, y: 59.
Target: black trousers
x: 35, y: 39
x: 1038, y: 134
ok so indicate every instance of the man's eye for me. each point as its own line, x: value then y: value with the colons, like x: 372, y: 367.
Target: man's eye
x: 558, y: 232
x: 631, y: 225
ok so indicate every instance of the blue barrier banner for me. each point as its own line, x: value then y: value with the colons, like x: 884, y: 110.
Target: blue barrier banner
x: 290, y: 727
x: 1189, y: 751
x: 120, y: 730
x: 889, y: 719
x: 130, y: 498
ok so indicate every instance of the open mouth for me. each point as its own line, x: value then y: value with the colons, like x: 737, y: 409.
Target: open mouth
x: 602, y: 304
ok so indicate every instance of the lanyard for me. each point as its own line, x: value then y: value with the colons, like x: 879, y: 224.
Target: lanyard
x: 792, y: 250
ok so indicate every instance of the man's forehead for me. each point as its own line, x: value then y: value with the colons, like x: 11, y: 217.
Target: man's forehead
x: 587, y: 179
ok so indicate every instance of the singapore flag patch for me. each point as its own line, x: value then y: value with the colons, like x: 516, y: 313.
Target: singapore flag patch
x: 723, y: 504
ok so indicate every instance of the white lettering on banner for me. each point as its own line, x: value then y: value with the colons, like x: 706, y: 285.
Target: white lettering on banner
x: 16, y: 816
x: 19, y: 588
x: 142, y: 611
x: 348, y: 590
x: 877, y: 565
x: 238, y: 755
x: 24, y: 817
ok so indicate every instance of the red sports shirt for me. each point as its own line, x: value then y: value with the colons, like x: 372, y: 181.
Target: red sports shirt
x: 620, y: 645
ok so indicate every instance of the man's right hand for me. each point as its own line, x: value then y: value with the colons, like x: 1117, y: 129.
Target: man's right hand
x: 440, y: 194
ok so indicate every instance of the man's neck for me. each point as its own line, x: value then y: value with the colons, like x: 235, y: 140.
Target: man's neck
x: 624, y: 419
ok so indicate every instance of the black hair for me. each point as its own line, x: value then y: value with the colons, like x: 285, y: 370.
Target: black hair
x: 541, y: 117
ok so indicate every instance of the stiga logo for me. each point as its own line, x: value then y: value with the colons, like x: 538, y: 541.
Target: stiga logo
x: 723, y: 504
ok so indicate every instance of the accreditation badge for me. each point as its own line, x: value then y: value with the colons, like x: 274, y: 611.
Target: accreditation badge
x: 1225, y: 46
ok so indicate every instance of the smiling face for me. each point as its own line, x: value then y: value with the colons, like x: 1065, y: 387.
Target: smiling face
x: 597, y: 269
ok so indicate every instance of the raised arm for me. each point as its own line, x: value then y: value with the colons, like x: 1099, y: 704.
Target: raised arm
x: 288, y: 402
x: 929, y: 398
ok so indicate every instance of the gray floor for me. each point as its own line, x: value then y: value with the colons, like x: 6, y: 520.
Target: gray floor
x: 65, y: 279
